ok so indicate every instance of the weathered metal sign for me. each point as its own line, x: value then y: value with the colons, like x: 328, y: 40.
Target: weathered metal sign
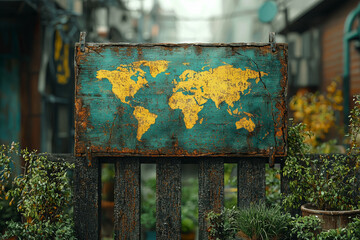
x: 181, y: 100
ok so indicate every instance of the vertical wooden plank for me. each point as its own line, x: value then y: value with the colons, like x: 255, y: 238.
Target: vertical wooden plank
x: 251, y: 181
x: 211, y: 190
x: 87, y: 193
x: 127, y: 199
x: 168, y: 198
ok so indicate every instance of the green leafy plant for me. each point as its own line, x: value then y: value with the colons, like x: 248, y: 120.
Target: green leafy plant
x: 7, y: 211
x: 304, y: 228
x: 273, y: 193
x: 351, y: 232
x: 222, y: 226
x: 355, y: 127
x: 260, y: 222
x: 256, y: 222
x: 107, y: 180
x: 42, y: 196
x: 189, y: 205
x: 327, y: 182
x: 230, y: 182
x: 148, y: 205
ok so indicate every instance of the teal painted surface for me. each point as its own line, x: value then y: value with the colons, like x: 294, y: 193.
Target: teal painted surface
x: 10, y: 111
x: 107, y: 125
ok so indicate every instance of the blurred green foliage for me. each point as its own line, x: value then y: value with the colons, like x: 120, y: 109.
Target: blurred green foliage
x: 42, y: 196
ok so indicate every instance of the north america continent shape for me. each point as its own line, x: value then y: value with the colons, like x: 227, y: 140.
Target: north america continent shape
x: 221, y: 84
x: 123, y: 86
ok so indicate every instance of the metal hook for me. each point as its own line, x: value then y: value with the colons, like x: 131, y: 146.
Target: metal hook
x: 272, y: 41
x: 89, y: 156
x: 82, y: 41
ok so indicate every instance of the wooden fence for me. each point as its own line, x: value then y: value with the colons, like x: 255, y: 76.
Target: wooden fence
x: 87, y: 192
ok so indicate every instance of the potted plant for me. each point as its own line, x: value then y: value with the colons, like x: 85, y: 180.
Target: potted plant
x: 271, y: 223
x: 42, y: 196
x: 326, y: 184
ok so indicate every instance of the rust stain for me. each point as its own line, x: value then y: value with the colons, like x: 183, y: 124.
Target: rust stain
x: 128, y: 51
x: 80, y: 56
x: 282, y: 106
x: 115, y: 49
x: 280, y: 119
x: 198, y: 49
x: 140, y: 53
x: 168, y: 48
x: 234, y: 50
x: 266, y: 50
x: 176, y: 151
x: 82, y: 114
x: 96, y: 49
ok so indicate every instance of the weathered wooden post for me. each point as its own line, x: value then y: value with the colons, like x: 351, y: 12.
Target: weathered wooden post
x: 211, y: 103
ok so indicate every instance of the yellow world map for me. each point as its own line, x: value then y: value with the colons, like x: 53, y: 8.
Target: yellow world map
x: 191, y: 91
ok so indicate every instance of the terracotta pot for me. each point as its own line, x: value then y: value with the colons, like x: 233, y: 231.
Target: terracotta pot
x: 331, y: 219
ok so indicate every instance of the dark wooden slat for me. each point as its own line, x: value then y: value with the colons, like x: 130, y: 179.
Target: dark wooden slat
x: 251, y: 181
x: 211, y: 190
x: 168, y: 198
x: 87, y: 195
x: 127, y: 199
